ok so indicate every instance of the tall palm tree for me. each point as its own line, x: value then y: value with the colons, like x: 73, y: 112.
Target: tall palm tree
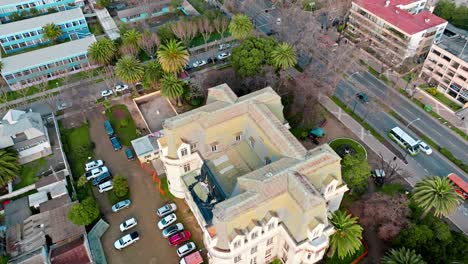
x: 153, y: 74
x: 347, y: 238
x: 283, y: 56
x: 172, y: 87
x: 132, y: 37
x: 129, y: 69
x: 402, y: 256
x: 436, y: 193
x: 173, y: 56
x: 240, y: 26
x: 9, y: 166
x: 52, y: 32
x: 102, y: 51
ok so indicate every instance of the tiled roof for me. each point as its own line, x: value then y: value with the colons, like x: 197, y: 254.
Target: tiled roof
x: 44, y: 181
x: 399, y: 18
x: 73, y: 252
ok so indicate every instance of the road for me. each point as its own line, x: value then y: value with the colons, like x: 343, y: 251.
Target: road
x: 421, y: 165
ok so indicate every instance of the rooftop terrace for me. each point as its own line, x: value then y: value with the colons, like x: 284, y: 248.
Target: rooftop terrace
x: 455, y: 41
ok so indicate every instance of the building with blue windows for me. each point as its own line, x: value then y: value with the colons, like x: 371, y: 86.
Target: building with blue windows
x: 10, y: 7
x: 28, y: 33
x: 156, y: 8
x: 33, y: 67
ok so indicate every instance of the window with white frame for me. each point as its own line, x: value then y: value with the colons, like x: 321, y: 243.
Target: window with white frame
x: 253, y: 250
x: 286, y: 247
x: 330, y: 188
x: 253, y: 260
x: 268, y: 253
x: 238, y: 137
x: 269, y: 241
x: 237, y: 244
x: 271, y: 226
x: 214, y: 147
x: 193, y: 147
x: 237, y: 259
x: 183, y: 152
x: 254, y: 235
x: 186, y: 167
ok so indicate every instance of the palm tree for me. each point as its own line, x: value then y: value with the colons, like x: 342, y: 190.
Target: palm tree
x: 172, y: 87
x: 131, y: 37
x: 9, y: 166
x: 102, y: 51
x: 129, y: 69
x: 402, y: 256
x: 436, y: 193
x: 173, y: 56
x: 240, y: 26
x: 52, y: 32
x: 347, y: 238
x: 283, y: 56
x: 153, y: 74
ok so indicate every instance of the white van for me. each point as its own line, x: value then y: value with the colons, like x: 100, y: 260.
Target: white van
x: 106, y: 186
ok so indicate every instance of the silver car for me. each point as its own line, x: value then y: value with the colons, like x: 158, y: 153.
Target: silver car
x: 172, y: 230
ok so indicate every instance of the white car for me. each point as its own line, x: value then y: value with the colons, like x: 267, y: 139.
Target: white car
x: 121, y: 87
x: 106, y: 92
x: 224, y: 46
x: 106, y: 186
x: 425, y: 148
x: 129, y: 223
x: 185, y: 249
x: 223, y: 55
x: 166, y: 209
x: 199, y: 63
x: 278, y: 21
x: 126, y: 240
x: 96, y: 172
x: 166, y: 221
x: 94, y: 164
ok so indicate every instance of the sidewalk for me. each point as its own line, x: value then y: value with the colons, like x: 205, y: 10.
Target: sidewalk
x: 459, y: 218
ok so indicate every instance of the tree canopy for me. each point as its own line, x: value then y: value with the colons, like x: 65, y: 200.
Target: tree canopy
x: 448, y: 10
x: 283, y: 56
x: 173, y: 56
x: 240, y: 26
x: 9, y: 166
x: 102, y: 51
x: 402, y: 256
x: 52, y: 32
x: 84, y: 213
x: 248, y: 57
x: 129, y: 69
x: 347, y: 238
x: 355, y: 171
x: 120, y: 186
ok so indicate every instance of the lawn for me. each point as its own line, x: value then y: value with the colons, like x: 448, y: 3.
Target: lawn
x: 28, y: 173
x: 123, y: 124
x: 444, y: 100
x: 336, y: 143
x: 392, y: 188
x: 347, y: 260
x: 198, y: 41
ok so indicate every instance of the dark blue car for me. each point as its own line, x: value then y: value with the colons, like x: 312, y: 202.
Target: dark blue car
x: 115, y: 143
x: 129, y: 153
x: 101, y: 178
x: 109, y: 129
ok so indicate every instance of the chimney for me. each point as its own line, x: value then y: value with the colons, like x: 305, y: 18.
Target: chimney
x: 431, y: 8
x: 387, y: 3
x: 427, y: 20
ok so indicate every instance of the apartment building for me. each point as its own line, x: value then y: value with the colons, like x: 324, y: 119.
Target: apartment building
x: 29, y: 68
x: 28, y: 33
x: 10, y: 7
x: 255, y: 191
x: 395, y: 29
x: 446, y: 66
x: 140, y: 12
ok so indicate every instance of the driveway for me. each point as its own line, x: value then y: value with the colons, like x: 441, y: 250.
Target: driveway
x: 151, y: 248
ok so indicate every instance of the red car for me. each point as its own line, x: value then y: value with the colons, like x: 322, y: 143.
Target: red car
x: 179, y: 238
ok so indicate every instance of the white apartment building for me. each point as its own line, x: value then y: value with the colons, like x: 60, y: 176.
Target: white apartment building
x: 255, y: 191
x: 395, y: 29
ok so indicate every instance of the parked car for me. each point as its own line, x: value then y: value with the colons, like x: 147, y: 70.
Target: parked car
x: 93, y: 164
x: 96, y: 172
x: 106, y: 186
x: 115, y: 143
x: 223, y: 55
x: 127, y: 240
x: 121, y: 205
x: 121, y: 87
x: 166, y: 221
x: 179, y: 238
x: 166, y: 209
x: 199, y: 63
x: 362, y: 97
x: 224, y: 46
x: 129, y: 223
x: 107, y: 92
x: 108, y: 127
x: 172, y: 230
x: 101, y: 178
x: 425, y: 148
x: 278, y: 21
x: 129, y: 154
x: 379, y: 177
x: 185, y: 249
x: 63, y: 105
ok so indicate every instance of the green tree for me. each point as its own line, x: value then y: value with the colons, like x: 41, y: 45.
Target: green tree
x: 120, y: 186
x: 102, y: 51
x: 132, y: 37
x: 348, y: 234
x: 9, y: 165
x: 52, y: 32
x: 240, y: 27
x: 456, y: 15
x: 165, y: 33
x: 172, y: 56
x: 82, y: 181
x: 84, y: 213
x: 355, y: 171
x: 402, y: 256
x: 34, y: 12
x: 172, y: 87
x: 248, y: 58
x: 129, y: 69
x: 103, y: 3
x: 438, y: 194
x: 153, y: 74
x: 283, y: 56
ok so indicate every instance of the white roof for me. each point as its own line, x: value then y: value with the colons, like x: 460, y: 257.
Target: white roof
x: 40, y: 21
x: 43, y: 56
x: 36, y: 199
x: 405, y: 136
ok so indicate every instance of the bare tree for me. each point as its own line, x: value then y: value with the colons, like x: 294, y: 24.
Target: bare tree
x: 205, y: 28
x: 392, y: 170
x: 185, y: 30
x: 110, y: 78
x: 149, y: 42
x: 221, y: 24
x: 129, y: 49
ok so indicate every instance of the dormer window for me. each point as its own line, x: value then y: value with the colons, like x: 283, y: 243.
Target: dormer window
x: 238, y: 137
x: 271, y: 226
x: 193, y: 147
x: 330, y: 188
x: 254, y: 235
x: 183, y: 152
x: 237, y: 244
x: 214, y: 147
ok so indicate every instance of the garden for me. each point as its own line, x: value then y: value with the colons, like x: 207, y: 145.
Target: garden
x: 123, y: 123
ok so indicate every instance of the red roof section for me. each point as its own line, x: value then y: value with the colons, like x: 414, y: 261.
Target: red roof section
x: 459, y: 181
x: 194, y: 258
x: 399, y: 18
x: 71, y: 253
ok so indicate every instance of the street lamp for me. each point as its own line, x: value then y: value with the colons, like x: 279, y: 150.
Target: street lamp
x: 417, y: 119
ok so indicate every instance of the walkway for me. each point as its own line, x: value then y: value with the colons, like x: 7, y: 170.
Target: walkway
x: 107, y: 23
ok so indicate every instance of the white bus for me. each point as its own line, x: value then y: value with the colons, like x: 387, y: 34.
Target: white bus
x: 404, y: 140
